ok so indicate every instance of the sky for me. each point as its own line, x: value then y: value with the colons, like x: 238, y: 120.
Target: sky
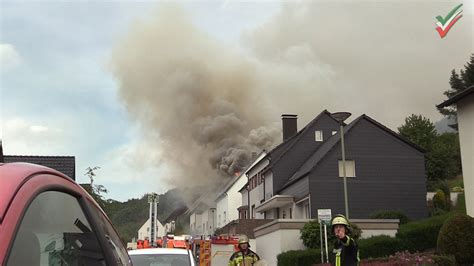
x: 162, y: 94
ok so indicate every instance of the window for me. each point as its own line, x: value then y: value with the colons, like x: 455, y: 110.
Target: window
x: 253, y: 211
x: 334, y: 132
x: 350, y: 168
x: 55, y: 231
x: 225, y: 218
x: 284, y: 214
x: 318, y: 135
x: 114, y: 241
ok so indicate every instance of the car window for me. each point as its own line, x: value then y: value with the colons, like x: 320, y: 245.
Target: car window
x: 161, y: 260
x: 55, y: 231
x: 115, y: 244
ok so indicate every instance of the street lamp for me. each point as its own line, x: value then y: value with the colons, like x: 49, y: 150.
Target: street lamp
x: 340, y: 117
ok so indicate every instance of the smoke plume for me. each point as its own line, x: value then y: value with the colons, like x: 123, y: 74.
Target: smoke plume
x: 198, y: 99
x: 208, y: 107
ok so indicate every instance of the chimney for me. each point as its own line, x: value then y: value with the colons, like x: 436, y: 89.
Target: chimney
x: 289, y: 125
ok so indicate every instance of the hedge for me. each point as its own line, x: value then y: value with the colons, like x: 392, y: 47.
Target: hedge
x: 456, y: 238
x: 306, y: 257
x: 379, y: 246
x: 421, y: 235
x: 390, y: 215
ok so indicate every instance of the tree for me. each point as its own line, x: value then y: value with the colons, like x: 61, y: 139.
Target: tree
x: 458, y: 83
x: 419, y: 130
x: 442, y: 158
x: 96, y: 191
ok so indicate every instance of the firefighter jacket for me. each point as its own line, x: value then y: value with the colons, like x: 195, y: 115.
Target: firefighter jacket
x: 243, y: 259
x: 346, y: 252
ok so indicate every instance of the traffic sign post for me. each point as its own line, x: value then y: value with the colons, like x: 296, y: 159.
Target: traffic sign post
x: 324, y: 217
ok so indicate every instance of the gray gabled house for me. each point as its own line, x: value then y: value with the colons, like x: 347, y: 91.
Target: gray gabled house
x: 303, y: 174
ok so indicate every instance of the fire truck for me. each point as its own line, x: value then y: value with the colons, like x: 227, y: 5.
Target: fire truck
x: 215, y: 251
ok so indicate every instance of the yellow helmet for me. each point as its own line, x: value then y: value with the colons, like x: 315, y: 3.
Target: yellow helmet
x: 339, y: 219
x: 243, y: 239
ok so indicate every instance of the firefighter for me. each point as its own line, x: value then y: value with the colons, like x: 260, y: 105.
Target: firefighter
x: 346, y: 251
x: 245, y: 256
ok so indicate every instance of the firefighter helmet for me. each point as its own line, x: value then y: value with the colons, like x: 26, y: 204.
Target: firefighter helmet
x: 339, y: 219
x: 243, y: 239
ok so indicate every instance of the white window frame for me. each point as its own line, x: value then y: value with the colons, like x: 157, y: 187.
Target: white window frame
x: 318, y: 135
x: 350, y: 168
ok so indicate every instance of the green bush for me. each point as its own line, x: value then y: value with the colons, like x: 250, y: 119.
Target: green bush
x: 441, y: 260
x: 456, y: 238
x: 423, y: 234
x: 379, y: 246
x: 306, y: 257
x: 440, y: 201
x: 310, y: 234
x: 355, y: 233
x: 390, y: 215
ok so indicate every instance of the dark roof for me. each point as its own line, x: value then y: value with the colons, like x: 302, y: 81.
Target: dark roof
x: 176, y: 213
x: 63, y: 164
x: 456, y: 97
x: 314, y: 159
x: 234, y: 179
x: 289, y: 143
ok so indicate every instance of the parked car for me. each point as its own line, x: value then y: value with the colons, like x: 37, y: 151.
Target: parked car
x: 162, y: 257
x: 48, y: 219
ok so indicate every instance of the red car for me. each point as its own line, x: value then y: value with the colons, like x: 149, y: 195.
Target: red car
x: 48, y: 219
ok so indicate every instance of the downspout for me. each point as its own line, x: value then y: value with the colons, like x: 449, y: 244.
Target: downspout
x: 248, y: 198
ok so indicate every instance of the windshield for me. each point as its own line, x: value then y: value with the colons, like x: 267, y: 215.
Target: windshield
x: 160, y: 260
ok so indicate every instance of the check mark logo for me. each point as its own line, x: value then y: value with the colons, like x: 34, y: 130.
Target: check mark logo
x: 445, y: 24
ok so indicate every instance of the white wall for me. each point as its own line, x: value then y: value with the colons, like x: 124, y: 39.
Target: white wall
x: 221, y: 207
x: 255, y: 200
x: 195, y: 224
x: 274, y: 243
x: 208, y: 221
x: 144, y: 230
x: 465, y: 112
x: 235, y: 199
x: 366, y: 233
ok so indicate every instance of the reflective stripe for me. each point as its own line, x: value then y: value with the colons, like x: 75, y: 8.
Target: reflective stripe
x: 348, y: 241
x: 338, y: 258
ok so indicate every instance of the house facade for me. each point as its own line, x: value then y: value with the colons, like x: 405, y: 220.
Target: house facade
x: 304, y: 173
x: 229, y: 200
x: 144, y: 231
x: 464, y: 102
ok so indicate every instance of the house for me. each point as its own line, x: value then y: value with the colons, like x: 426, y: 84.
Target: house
x: 63, y: 164
x: 230, y: 200
x: 464, y: 102
x: 144, y: 231
x: 303, y: 174
x: 177, y: 217
x: 202, y: 215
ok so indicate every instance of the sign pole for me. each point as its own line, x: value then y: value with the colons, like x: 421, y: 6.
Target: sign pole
x: 321, y: 240
x: 326, y: 242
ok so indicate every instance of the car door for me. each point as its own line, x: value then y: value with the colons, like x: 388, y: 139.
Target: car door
x: 57, y: 226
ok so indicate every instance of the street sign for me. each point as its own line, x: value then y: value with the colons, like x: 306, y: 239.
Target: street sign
x: 324, y: 218
x: 324, y: 215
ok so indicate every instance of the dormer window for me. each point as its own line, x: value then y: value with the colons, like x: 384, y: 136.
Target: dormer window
x: 318, y: 135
